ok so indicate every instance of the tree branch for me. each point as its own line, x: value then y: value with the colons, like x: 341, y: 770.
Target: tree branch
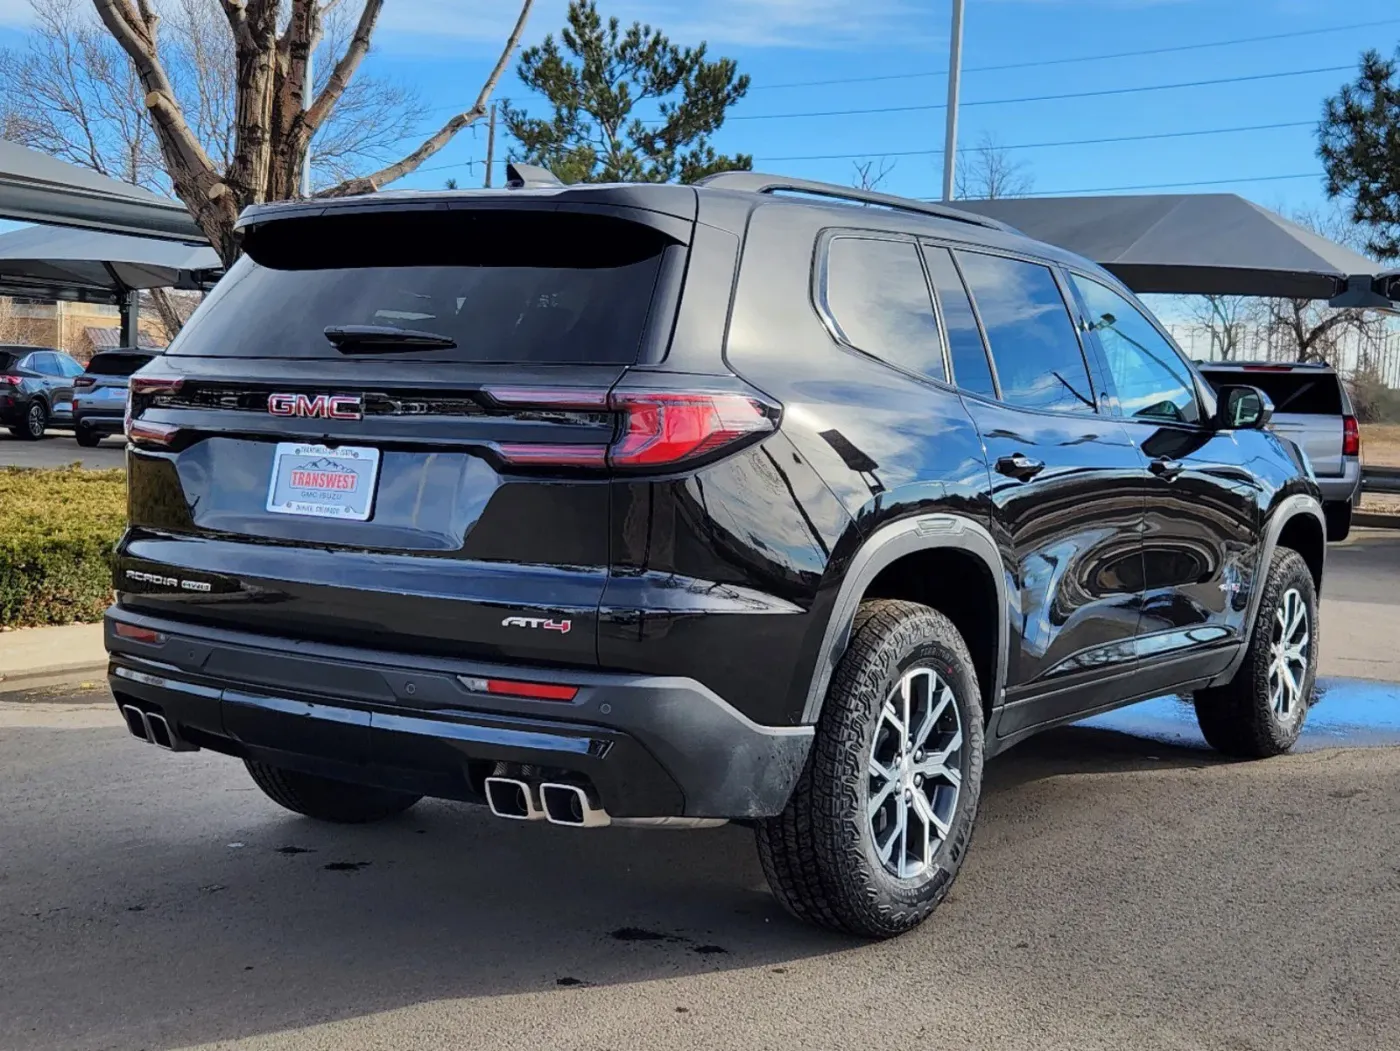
x: 136, y: 37
x: 237, y: 12
x: 371, y: 183
x: 349, y: 62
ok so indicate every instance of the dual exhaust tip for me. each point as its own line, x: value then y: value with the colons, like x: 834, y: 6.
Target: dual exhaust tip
x: 555, y: 802
x: 153, y: 728
x: 561, y: 803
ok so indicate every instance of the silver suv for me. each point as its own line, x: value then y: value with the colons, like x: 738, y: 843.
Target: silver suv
x: 1312, y: 409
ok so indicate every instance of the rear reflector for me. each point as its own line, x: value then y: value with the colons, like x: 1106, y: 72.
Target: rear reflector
x: 131, y: 631
x: 659, y: 428
x: 537, y: 691
x: 1351, y: 437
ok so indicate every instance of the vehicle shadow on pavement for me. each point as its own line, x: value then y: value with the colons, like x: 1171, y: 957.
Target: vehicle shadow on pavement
x: 156, y: 901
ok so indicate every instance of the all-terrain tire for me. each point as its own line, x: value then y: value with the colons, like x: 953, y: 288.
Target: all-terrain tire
x: 1239, y: 718
x: 325, y: 799
x: 820, y: 854
x: 88, y: 439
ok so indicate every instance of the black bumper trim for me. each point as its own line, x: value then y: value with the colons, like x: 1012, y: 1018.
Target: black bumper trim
x: 653, y: 746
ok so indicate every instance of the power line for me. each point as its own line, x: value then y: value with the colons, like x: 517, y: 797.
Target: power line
x: 973, y: 149
x: 1171, y: 185
x: 1080, y: 58
x: 1044, y: 145
x: 1045, y: 98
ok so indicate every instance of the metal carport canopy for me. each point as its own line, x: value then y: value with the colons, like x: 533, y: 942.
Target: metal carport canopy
x: 1194, y: 244
x: 38, y: 189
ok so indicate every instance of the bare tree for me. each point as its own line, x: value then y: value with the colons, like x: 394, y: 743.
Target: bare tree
x: 870, y: 177
x: 1225, y: 319
x: 1308, y: 329
x: 988, y: 171
x: 222, y: 94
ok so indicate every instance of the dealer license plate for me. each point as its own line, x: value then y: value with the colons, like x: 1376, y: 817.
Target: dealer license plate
x: 322, y: 482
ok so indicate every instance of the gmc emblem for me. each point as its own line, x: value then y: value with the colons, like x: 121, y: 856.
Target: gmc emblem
x: 325, y: 406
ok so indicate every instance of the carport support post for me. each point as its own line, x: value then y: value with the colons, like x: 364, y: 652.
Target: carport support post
x: 130, y: 308
x: 950, y: 141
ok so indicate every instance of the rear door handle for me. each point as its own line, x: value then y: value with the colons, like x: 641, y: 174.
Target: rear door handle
x: 1019, y: 466
x: 1166, y: 468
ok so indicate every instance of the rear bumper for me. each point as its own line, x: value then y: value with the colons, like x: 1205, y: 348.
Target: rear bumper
x: 1343, y: 488
x: 100, y: 420
x: 651, y: 746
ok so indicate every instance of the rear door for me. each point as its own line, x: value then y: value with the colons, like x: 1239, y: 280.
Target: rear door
x: 1308, y: 408
x: 1066, y: 498
x: 1201, y: 536
x: 388, y: 429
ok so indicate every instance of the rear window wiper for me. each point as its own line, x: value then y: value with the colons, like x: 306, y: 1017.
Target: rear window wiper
x: 384, y: 339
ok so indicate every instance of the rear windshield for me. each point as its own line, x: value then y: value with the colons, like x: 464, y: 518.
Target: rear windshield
x: 7, y: 360
x: 117, y: 363
x: 1298, y: 391
x: 522, y: 287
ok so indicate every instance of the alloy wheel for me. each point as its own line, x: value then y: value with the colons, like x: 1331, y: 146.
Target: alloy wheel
x: 35, y: 420
x: 1289, y: 653
x: 915, y: 772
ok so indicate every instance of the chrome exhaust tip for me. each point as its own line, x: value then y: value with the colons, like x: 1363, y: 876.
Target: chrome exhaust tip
x: 512, y: 799
x: 136, y: 723
x: 571, y: 805
x: 162, y: 736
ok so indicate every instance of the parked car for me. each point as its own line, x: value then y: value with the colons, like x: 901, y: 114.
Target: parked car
x: 667, y: 505
x: 99, y: 394
x: 36, y: 389
x: 1313, y: 409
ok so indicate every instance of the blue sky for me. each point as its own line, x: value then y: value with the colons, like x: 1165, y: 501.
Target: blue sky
x: 443, y: 47
x: 781, y: 42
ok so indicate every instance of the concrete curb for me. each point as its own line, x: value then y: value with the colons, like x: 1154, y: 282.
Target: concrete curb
x: 57, y: 675
x: 34, y: 658
x: 1371, y: 520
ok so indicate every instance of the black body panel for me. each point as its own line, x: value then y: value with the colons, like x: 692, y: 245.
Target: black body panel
x: 544, y: 514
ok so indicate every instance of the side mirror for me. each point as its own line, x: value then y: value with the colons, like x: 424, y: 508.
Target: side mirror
x: 1244, y: 408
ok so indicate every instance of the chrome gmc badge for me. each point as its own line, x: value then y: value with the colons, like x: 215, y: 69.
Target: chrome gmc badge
x: 324, y: 406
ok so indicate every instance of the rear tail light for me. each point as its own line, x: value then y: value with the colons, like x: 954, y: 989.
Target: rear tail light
x: 659, y: 428
x: 10, y: 381
x: 148, y: 386
x: 84, y: 381
x: 1351, y: 437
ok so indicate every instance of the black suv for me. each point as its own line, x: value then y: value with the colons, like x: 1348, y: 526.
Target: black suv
x: 652, y: 505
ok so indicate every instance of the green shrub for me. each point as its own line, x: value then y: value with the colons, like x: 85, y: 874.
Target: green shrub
x: 58, y: 532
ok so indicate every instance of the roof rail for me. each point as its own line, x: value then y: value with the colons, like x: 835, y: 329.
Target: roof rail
x: 530, y: 177
x: 756, y: 182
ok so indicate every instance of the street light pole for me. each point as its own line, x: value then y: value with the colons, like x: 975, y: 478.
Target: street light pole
x: 308, y: 88
x: 950, y: 141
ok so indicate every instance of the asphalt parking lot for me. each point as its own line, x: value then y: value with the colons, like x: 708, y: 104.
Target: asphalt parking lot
x: 59, y: 449
x: 1125, y: 889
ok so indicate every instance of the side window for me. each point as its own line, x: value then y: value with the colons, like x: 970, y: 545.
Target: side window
x: 1153, y: 382
x: 971, y: 371
x: 69, y: 365
x: 1038, y: 358
x: 45, y: 364
x: 880, y: 301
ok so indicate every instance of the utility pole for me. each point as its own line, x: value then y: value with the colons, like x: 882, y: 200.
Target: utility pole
x: 490, y: 146
x: 308, y: 87
x: 950, y: 141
